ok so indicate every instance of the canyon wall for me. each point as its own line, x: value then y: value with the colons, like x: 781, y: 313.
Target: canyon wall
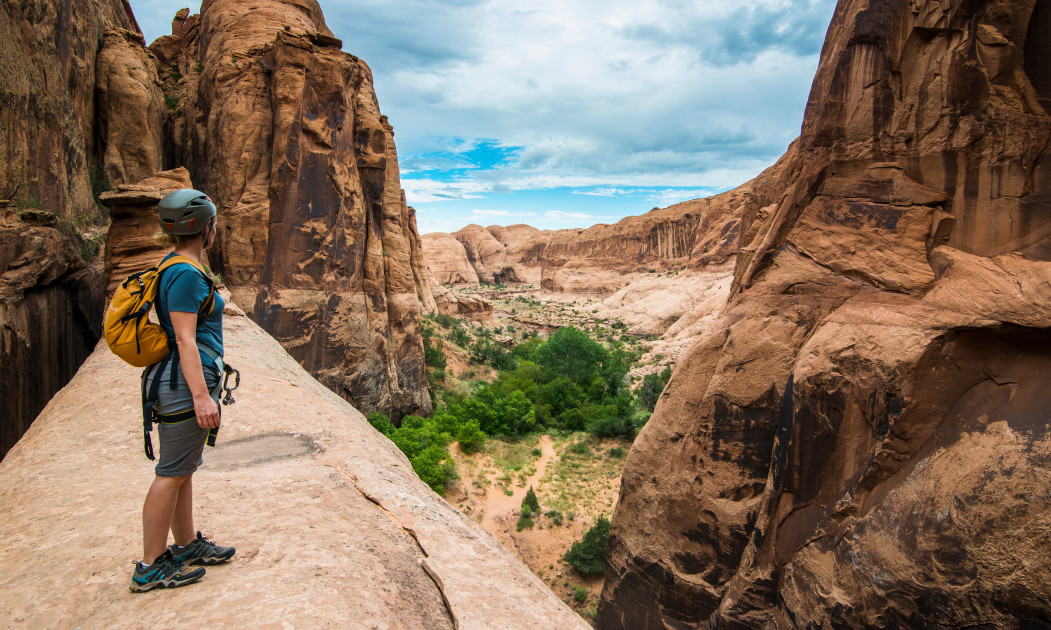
x: 862, y: 438
x: 283, y: 130
x: 51, y: 168
x: 691, y: 235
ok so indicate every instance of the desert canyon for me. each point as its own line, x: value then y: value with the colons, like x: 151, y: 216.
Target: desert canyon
x: 856, y: 433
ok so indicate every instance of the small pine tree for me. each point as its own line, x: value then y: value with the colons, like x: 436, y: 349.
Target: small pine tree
x: 531, y: 501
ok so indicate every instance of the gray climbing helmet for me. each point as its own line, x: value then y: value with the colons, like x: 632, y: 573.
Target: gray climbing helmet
x: 185, y: 212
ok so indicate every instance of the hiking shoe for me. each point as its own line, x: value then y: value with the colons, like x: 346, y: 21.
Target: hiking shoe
x: 201, y: 551
x: 165, y: 572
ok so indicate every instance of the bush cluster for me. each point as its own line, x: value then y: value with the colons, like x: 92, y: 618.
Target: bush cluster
x: 588, y: 555
x: 426, y: 443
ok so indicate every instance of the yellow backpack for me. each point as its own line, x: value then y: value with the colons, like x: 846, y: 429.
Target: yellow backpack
x: 129, y: 332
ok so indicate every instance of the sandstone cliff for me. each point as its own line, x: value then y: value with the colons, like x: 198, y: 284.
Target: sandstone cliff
x: 283, y: 130
x: 693, y: 235
x: 50, y: 167
x: 332, y: 527
x: 862, y: 438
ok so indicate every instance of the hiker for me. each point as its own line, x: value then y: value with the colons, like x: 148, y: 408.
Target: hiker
x: 187, y: 386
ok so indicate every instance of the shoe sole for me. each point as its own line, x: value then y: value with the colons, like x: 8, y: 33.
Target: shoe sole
x: 168, y: 583
x: 207, y: 560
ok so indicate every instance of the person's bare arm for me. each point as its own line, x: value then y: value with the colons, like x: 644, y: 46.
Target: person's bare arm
x: 204, y: 407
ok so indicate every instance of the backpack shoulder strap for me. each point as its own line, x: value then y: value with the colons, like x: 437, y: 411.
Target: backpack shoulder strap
x: 209, y: 302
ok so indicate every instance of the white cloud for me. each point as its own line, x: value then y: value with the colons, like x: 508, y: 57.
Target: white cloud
x: 609, y: 97
x: 501, y: 213
x: 561, y: 214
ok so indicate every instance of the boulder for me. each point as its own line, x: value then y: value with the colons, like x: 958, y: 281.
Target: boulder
x: 858, y: 439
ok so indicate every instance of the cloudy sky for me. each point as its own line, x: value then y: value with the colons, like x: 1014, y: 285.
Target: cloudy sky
x: 567, y: 113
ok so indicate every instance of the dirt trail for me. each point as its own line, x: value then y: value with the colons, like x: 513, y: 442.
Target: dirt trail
x: 498, y: 504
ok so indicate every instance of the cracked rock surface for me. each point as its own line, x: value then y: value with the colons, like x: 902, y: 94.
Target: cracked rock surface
x: 332, y: 528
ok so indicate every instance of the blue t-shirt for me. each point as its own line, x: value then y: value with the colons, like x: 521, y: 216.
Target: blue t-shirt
x: 184, y: 289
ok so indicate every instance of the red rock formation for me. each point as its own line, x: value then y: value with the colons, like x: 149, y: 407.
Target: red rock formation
x: 130, y: 246
x: 131, y: 110
x: 693, y: 234
x: 902, y: 283
x: 283, y: 130
x: 50, y: 315
x: 50, y: 157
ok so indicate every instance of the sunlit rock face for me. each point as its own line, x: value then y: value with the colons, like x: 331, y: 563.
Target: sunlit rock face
x: 283, y: 130
x: 51, y: 154
x: 693, y: 234
x: 901, y: 283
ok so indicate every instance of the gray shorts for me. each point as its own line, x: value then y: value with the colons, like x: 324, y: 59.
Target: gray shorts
x: 182, y: 443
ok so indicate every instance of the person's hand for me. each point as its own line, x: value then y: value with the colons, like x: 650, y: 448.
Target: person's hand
x: 207, y: 412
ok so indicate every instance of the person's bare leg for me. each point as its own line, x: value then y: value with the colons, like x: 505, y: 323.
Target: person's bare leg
x: 157, y: 513
x: 182, y: 520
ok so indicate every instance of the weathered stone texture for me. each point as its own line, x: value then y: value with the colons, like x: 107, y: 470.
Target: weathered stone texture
x: 331, y: 525
x: 283, y: 130
x: 130, y: 244
x: 693, y: 234
x: 902, y: 281
x: 50, y: 157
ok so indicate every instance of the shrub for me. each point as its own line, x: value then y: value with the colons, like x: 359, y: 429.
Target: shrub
x: 381, y: 423
x: 433, y: 353
x: 530, y: 502
x: 460, y: 337
x: 639, y: 420
x: 580, y: 448
x: 609, y: 426
x: 652, y: 386
x: 580, y: 594
x: 555, y: 516
x: 470, y: 437
x: 616, y: 452
x: 524, y: 522
x: 588, y: 555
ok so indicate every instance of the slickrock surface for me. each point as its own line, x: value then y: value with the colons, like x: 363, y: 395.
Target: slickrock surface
x: 331, y: 526
x: 130, y: 245
x: 902, y: 284
x: 283, y: 130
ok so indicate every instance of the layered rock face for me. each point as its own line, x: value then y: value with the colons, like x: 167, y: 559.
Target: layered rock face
x: 694, y: 235
x: 50, y: 158
x: 283, y: 130
x: 130, y: 246
x: 862, y: 439
x: 50, y: 315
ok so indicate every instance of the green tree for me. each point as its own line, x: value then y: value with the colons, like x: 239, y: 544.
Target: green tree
x: 470, y: 437
x: 530, y: 501
x: 570, y: 352
x: 381, y: 423
x: 652, y: 386
x: 588, y: 555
